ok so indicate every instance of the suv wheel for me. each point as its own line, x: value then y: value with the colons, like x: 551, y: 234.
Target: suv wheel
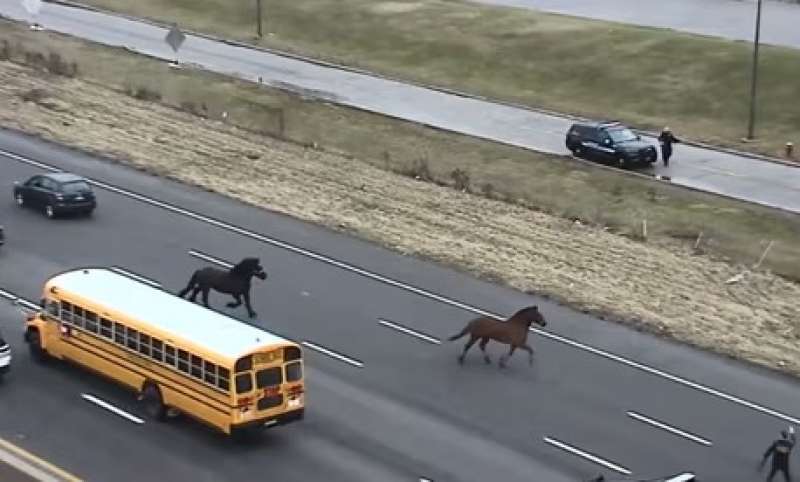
x: 49, y: 211
x: 621, y: 161
x: 20, y: 200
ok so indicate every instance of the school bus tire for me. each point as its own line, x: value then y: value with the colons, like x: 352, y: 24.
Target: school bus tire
x: 153, y: 402
x: 34, y: 339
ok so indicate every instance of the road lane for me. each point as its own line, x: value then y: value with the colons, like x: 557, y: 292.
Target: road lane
x: 737, y: 176
x: 570, y: 394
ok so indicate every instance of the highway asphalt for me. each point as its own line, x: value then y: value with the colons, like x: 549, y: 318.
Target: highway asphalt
x: 738, y: 176
x: 731, y: 19
x: 408, y: 410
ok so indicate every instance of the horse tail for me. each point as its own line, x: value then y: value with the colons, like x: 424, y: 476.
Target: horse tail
x: 192, y: 283
x: 462, y: 333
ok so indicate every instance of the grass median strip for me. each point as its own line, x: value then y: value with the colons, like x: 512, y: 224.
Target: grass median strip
x: 648, y: 77
x: 367, y: 177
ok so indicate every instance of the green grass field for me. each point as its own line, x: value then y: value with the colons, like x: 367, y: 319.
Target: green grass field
x: 647, y: 77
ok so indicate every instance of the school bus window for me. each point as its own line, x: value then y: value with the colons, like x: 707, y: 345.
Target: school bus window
x: 291, y: 353
x: 269, y: 377
x: 158, y: 351
x: 119, y: 334
x: 144, y: 344
x: 244, y: 364
x: 209, y: 372
x: 133, y: 339
x: 294, y: 371
x: 223, y: 376
x: 244, y: 383
x: 91, y: 321
x: 66, y: 312
x: 77, y: 316
x: 169, y: 355
x: 197, y: 367
x: 105, y: 327
x: 53, y: 308
x: 183, y: 361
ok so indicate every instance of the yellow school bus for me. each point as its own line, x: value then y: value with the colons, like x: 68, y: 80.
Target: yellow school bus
x: 178, y: 356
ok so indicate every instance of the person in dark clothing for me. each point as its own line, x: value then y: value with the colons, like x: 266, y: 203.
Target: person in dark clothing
x: 666, y: 139
x: 780, y: 451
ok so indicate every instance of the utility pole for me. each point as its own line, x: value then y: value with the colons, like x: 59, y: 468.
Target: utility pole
x: 258, y: 17
x: 754, y: 75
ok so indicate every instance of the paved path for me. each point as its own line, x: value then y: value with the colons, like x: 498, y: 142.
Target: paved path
x: 731, y: 19
x: 733, y: 175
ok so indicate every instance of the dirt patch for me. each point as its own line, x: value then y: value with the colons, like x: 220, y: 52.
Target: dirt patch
x: 666, y: 289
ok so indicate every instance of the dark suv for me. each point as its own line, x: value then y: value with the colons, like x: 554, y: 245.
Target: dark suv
x: 610, y: 143
x: 56, y: 193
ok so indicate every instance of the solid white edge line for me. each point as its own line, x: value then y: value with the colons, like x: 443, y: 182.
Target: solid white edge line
x: 669, y: 428
x: 587, y: 456
x: 7, y: 295
x: 409, y: 331
x: 111, y: 408
x: 333, y: 354
x: 413, y: 289
x: 136, y: 276
x: 210, y: 259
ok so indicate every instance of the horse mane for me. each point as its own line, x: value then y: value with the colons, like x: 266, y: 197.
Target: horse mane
x: 244, y: 267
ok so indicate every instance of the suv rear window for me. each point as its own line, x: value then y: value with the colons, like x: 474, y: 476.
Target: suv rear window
x: 74, y: 187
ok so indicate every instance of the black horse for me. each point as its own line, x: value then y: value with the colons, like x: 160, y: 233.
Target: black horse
x: 235, y: 281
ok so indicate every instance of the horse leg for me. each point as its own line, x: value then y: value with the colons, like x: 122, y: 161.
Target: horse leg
x: 482, y: 346
x: 234, y: 304
x: 527, y: 348
x: 247, y: 305
x: 472, y: 340
x: 503, y: 358
x: 195, y: 292
x: 205, y: 296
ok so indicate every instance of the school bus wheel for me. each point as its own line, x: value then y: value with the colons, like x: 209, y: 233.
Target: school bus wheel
x: 34, y: 340
x: 153, y: 402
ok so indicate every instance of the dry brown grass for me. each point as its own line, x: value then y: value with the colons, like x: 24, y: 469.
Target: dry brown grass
x: 664, y: 288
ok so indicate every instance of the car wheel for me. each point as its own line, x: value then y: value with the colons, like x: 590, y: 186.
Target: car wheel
x: 20, y: 200
x: 49, y: 211
x: 620, y: 162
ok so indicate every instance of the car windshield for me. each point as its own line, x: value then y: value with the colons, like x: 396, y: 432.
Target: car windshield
x: 622, y: 135
x: 74, y: 187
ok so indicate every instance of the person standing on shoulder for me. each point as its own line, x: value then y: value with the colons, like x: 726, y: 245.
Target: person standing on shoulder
x: 780, y: 451
x: 666, y: 139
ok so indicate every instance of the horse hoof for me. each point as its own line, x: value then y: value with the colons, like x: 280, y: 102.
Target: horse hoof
x: 253, y: 314
x: 488, y: 360
x: 461, y: 360
x: 231, y: 305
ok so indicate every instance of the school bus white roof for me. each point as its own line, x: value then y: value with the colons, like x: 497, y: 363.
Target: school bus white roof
x: 168, y: 313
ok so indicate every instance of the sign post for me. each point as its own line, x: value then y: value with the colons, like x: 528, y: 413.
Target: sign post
x: 33, y: 7
x: 175, y: 39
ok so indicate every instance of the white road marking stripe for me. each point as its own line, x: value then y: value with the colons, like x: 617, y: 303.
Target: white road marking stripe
x: 211, y: 259
x: 112, y: 408
x: 9, y: 296
x: 408, y: 331
x: 587, y: 456
x: 136, y: 276
x: 413, y: 289
x: 668, y: 428
x: 333, y: 354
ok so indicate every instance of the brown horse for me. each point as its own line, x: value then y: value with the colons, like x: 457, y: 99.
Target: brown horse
x: 513, y: 331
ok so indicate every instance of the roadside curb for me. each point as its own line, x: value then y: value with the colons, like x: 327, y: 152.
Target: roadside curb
x: 444, y: 90
x: 32, y: 465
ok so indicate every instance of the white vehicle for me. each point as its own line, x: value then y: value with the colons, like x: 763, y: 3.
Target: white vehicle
x: 5, y: 356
